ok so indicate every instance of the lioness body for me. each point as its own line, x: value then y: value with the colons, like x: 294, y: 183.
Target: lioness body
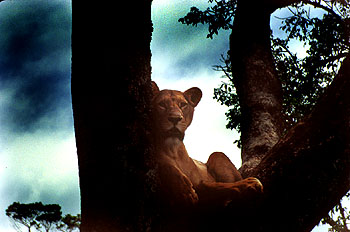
x: 183, y: 179
x: 174, y: 153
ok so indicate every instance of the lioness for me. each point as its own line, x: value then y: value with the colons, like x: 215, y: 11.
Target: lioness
x: 184, y: 180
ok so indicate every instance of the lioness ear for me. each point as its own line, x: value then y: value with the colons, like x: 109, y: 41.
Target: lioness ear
x: 155, y: 88
x: 193, y: 96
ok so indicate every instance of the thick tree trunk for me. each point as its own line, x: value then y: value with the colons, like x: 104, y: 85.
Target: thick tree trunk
x: 257, y: 83
x: 111, y: 93
x: 308, y: 171
x: 304, y: 174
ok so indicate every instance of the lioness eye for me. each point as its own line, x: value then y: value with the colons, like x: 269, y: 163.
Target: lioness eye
x: 162, y: 104
x: 183, y: 104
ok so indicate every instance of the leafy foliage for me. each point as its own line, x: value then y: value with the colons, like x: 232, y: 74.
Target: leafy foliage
x: 39, y: 216
x: 304, y: 79
x: 326, y: 39
x: 69, y: 223
x: 25, y: 214
x: 226, y: 94
x: 338, y: 218
x: 48, y: 215
x: 218, y: 16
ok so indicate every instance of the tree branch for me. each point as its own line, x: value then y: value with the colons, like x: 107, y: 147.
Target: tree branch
x: 319, y: 5
x: 223, y: 69
x: 330, y: 222
x: 308, y: 170
x: 335, y: 58
x: 343, y: 217
x: 276, y: 4
x: 294, y: 57
x: 256, y: 81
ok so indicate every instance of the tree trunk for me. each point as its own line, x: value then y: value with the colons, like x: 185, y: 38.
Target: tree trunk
x: 111, y: 94
x: 308, y: 171
x: 304, y: 173
x: 257, y: 83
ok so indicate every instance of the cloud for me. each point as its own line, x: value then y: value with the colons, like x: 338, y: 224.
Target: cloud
x: 34, y: 61
x: 38, y: 160
x: 44, y: 159
x: 182, y: 57
x: 40, y: 166
x: 179, y: 51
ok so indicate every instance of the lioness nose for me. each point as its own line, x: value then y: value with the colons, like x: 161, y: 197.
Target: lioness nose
x: 175, y: 119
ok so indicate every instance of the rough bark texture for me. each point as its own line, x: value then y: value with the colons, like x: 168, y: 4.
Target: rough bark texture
x: 305, y: 173
x: 111, y: 95
x: 257, y: 84
x: 308, y: 171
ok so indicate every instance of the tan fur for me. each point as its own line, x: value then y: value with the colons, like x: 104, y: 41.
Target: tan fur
x: 185, y: 181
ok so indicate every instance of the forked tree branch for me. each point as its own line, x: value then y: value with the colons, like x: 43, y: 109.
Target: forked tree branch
x: 308, y: 170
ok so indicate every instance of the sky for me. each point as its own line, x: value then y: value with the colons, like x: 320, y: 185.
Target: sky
x: 38, y: 160
x: 37, y: 146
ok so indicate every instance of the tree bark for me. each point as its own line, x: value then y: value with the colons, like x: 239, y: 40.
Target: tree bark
x: 304, y: 173
x: 258, y: 86
x: 308, y: 171
x: 111, y: 94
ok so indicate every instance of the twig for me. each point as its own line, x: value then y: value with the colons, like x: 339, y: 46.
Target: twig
x: 343, y: 217
x: 319, y: 5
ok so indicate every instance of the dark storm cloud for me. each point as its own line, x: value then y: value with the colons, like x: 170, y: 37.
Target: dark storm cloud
x: 34, y: 61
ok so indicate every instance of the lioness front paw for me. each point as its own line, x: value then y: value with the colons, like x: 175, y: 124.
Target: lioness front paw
x: 252, y: 185
x: 247, y: 193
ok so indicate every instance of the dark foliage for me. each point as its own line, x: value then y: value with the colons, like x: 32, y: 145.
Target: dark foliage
x: 304, y: 79
x: 41, y: 216
x: 326, y: 39
x: 218, y: 16
x: 35, y: 214
x: 69, y: 223
x: 338, y: 218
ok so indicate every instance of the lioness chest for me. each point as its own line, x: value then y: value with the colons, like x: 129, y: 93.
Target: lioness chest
x: 174, y: 153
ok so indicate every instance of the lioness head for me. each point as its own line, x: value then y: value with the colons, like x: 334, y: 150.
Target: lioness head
x: 172, y: 110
